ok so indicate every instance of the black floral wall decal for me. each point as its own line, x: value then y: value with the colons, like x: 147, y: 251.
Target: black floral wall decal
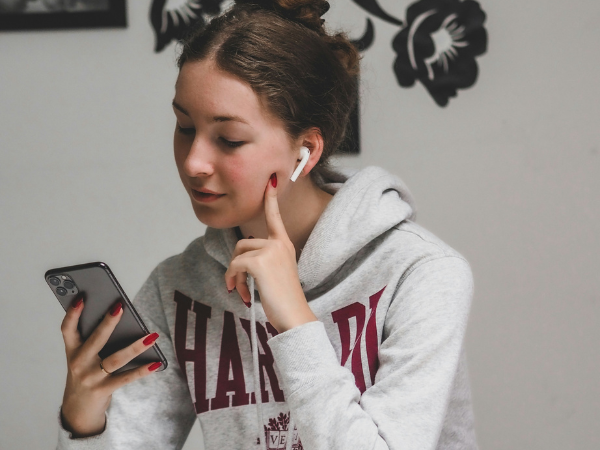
x: 171, y: 24
x: 373, y: 7
x: 366, y: 40
x: 438, y: 46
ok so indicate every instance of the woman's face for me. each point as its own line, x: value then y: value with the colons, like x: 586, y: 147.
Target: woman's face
x: 226, y: 142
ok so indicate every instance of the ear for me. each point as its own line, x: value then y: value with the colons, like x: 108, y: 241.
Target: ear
x: 314, y: 141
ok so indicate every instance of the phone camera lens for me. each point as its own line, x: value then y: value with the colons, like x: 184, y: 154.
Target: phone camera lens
x: 54, y: 281
x: 61, y: 291
x: 68, y: 284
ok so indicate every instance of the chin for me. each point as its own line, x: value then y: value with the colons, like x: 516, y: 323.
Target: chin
x: 215, y: 219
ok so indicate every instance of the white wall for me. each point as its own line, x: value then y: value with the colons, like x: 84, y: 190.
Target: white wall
x: 508, y: 174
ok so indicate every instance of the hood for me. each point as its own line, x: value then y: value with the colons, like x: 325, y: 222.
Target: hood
x: 365, y: 204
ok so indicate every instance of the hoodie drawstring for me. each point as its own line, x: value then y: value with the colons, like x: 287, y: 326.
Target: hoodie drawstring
x: 257, y: 390
x: 290, y: 434
x: 253, y: 341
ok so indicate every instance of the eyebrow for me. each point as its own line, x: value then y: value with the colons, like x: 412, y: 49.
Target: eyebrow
x: 215, y: 119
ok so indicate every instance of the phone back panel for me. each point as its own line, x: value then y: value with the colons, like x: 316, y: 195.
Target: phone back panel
x: 100, y: 291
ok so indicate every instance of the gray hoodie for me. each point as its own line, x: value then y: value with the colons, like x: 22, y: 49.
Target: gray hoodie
x: 384, y: 367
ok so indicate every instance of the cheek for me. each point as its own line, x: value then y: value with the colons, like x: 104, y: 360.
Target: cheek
x: 249, y: 173
x: 245, y: 176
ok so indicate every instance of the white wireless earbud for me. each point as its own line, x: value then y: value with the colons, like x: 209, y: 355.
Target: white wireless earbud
x: 305, y: 155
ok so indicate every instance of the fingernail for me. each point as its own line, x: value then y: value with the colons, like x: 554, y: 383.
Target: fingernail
x: 77, y: 303
x: 229, y: 290
x: 115, y: 309
x: 151, y: 338
x: 274, y: 180
x: 154, y: 366
x: 249, y: 305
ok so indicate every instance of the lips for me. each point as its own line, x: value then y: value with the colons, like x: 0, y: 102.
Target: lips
x: 206, y: 191
x: 206, y: 195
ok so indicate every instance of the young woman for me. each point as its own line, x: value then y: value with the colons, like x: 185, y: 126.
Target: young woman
x: 313, y: 314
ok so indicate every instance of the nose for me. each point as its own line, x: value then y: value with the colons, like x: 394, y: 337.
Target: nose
x: 200, y: 159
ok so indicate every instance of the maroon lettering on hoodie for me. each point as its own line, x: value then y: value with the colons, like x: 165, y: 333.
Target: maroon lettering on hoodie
x: 230, y: 359
x: 265, y: 361
x: 198, y: 354
x: 342, y: 318
x: 371, y: 340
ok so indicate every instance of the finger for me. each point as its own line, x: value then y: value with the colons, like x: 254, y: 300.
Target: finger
x: 239, y: 264
x: 241, y: 285
x: 275, y: 227
x: 246, y: 245
x: 242, y: 246
x: 123, y: 356
x: 117, y: 380
x: 68, y: 327
x: 100, y: 335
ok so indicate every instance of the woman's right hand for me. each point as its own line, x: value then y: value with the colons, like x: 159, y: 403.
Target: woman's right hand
x: 88, y: 390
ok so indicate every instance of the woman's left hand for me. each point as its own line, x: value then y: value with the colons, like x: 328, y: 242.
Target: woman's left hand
x: 272, y: 263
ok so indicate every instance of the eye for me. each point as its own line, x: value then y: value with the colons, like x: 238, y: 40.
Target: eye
x: 185, y: 131
x: 232, y: 143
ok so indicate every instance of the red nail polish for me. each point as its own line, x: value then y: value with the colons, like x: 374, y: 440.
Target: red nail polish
x: 230, y: 290
x: 77, y: 303
x: 154, y: 366
x: 274, y: 180
x: 115, y: 309
x: 151, y: 338
x: 249, y: 305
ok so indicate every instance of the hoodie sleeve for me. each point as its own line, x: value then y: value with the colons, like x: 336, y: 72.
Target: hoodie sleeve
x: 419, y: 355
x: 154, y: 412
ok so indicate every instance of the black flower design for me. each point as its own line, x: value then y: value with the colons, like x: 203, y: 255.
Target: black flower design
x: 438, y: 46
x: 171, y: 24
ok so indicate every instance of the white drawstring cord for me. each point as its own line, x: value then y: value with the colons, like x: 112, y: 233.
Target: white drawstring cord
x: 290, y: 434
x: 257, y: 390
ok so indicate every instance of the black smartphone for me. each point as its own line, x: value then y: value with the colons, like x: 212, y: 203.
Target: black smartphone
x: 101, y: 290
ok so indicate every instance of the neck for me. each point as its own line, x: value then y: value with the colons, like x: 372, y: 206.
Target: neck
x: 300, y: 205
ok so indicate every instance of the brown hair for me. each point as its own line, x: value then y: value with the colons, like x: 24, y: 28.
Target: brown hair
x: 304, y: 76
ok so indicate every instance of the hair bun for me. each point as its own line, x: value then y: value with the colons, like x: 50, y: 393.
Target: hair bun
x: 306, y: 12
